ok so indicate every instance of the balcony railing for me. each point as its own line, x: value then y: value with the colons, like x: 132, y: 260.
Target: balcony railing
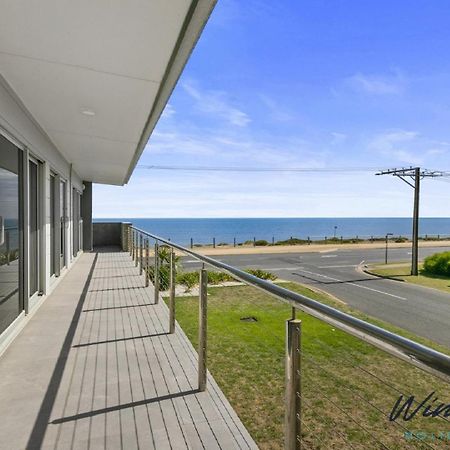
x: 145, y: 249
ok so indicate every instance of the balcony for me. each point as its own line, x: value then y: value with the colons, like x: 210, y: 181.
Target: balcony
x: 104, y: 364
x: 95, y: 367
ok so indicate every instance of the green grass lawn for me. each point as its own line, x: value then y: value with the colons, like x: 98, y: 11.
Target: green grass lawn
x: 343, y: 379
x: 402, y: 272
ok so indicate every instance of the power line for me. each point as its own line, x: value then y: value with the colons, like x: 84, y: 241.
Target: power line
x: 257, y: 169
x: 412, y: 176
x: 433, y: 173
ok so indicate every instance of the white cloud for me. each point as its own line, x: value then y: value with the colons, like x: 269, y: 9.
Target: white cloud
x: 276, y: 111
x: 219, y: 148
x: 338, y: 138
x: 169, y: 111
x: 377, y: 84
x: 407, y: 147
x: 216, y: 103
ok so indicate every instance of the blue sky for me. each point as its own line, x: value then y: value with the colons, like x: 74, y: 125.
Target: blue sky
x: 342, y: 83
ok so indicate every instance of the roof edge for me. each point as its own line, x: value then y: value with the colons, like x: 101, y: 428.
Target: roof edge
x: 198, y: 13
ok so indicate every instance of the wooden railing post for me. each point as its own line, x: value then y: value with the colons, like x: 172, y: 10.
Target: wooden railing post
x: 292, y: 432
x: 156, y: 273
x: 147, y: 263
x: 202, y: 330
x: 172, y: 293
x: 136, y: 250
x: 141, y: 254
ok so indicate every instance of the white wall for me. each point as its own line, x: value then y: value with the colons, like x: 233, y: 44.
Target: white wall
x: 17, y: 125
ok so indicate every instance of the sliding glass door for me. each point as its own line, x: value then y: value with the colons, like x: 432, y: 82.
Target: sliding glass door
x: 53, y: 226
x: 10, y: 234
x: 63, y: 222
x: 34, y: 227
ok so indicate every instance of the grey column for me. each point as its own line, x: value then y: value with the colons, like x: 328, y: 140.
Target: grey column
x: 86, y: 214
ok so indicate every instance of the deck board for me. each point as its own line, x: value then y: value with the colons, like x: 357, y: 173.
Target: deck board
x: 108, y: 375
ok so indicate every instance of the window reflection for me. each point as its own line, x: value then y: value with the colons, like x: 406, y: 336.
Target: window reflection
x: 9, y: 235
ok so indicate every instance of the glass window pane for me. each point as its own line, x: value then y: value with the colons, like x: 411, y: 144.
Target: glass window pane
x: 9, y: 234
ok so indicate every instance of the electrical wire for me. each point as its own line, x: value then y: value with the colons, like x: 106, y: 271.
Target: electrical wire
x: 258, y: 169
x: 269, y: 169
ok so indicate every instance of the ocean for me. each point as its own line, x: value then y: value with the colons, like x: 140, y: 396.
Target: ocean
x: 203, y: 231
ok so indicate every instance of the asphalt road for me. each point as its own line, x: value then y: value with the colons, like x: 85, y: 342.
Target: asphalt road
x: 423, y: 311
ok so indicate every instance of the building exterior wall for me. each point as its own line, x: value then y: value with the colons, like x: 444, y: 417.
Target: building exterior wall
x: 19, y: 128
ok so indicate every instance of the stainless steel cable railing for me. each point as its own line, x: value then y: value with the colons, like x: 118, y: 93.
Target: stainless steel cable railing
x: 406, y: 349
x: 151, y: 261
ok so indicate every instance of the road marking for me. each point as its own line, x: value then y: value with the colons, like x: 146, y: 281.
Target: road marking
x: 282, y: 268
x: 329, y: 256
x: 329, y: 250
x: 191, y: 261
x: 342, y: 265
x: 352, y: 284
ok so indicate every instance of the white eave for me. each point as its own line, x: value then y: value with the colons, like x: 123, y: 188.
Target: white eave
x: 95, y: 75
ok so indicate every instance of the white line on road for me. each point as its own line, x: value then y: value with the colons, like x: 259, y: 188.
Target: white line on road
x: 191, y: 261
x: 342, y: 265
x: 282, y: 268
x: 352, y: 284
x: 329, y: 256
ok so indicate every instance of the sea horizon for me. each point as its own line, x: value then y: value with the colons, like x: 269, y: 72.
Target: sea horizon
x: 227, y: 229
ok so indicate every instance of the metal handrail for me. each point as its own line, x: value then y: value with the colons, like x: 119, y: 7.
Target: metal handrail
x: 408, y: 350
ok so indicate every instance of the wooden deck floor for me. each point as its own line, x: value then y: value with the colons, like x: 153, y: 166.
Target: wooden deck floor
x: 95, y: 368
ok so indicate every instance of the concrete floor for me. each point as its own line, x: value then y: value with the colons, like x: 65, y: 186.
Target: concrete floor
x: 95, y: 368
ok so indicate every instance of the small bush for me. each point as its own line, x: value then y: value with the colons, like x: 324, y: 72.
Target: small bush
x: 292, y: 241
x: 191, y: 279
x: 263, y: 274
x: 261, y: 243
x: 437, y: 264
x: 164, y: 276
x: 188, y: 279
x: 218, y: 277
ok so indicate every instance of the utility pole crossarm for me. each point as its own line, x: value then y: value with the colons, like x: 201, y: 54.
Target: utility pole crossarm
x: 411, y: 172
x: 416, y: 174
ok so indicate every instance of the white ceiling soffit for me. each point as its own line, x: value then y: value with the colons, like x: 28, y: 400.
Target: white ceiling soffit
x: 96, y: 74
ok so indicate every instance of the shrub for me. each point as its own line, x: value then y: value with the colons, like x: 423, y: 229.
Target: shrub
x: 261, y: 242
x: 188, y: 279
x: 164, y: 276
x: 191, y: 279
x: 263, y: 274
x: 164, y: 267
x: 292, y: 241
x: 218, y: 277
x: 437, y: 264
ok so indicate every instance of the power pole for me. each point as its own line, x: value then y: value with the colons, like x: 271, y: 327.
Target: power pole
x: 415, y: 174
